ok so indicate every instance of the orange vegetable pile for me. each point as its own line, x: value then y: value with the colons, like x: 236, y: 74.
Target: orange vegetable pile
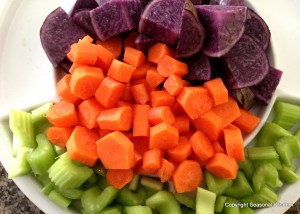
x: 136, y: 114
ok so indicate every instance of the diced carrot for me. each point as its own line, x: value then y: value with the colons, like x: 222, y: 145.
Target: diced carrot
x: 143, y: 81
x: 83, y: 53
x: 129, y: 40
x: 126, y: 95
x: 195, y: 157
x: 86, y: 39
x: 228, y: 111
x: 161, y: 98
x: 222, y: 166
x: 181, y: 151
x: 165, y: 171
x: 217, y: 147
x: 119, y: 178
x: 169, y: 65
x: 88, y: 112
x: 187, y: 176
x: 246, y: 121
x: 153, y: 78
x: 217, y: 90
x: 141, y: 71
x: 185, y: 83
x: 173, y: 84
x: 74, y: 66
x: 59, y: 135
x: 231, y: 126
x: 134, y: 57
x: 104, y: 58
x: 234, y: 144
x: 141, y: 144
x: 116, y: 151
x: 161, y: 114
x: 182, y: 123
x: 138, y: 158
x: 114, y: 45
x: 122, y: 103
x: 201, y: 145
x: 163, y: 136
x: 177, y: 108
x: 158, y: 51
x: 140, y: 93
x: 116, y: 119
x: 109, y: 92
x: 64, y: 91
x: 210, y: 124
x: 195, y: 101
x: 85, y: 80
x: 120, y: 71
x: 63, y: 114
x: 81, y: 146
x: 103, y: 132
x: 151, y: 160
x: 141, y: 125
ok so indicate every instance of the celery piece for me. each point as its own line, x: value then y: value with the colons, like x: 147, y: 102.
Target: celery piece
x: 128, y: 198
x: 164, y: 202
x: 262, y: 153
x: 152, y: 184
x: 43, y: 179
x: 186, y: 210
x: 186, y: 200
x: 48, y: 188
x: 66, y: 174
x: 297, y: 134
x: 59, y: 150
x: 270, y: 133
x: 265, y: 197
x: 39, y: 114
x: 275, y: 162
x: 59, y: 199
x: 220, y: 203
x: 102, y: 182
x: 42, y: 157
x: 20, y: 166
x: 247, y: 167
x: 73, y: 194
x: 134, y: 182
x: 21, y: 125
x: 137, y: 210
x: 205, y: 201
x: 94, y: 199
x: 215, y: 184
x: 99, y: 169
x: 286, y: 114
x: 288, y: 175
x: 240, y: 187
x: 116, y: 209
x: 265, y: 174
x: 232, y: 206
x: 246, y: 210
x: 288, y: 148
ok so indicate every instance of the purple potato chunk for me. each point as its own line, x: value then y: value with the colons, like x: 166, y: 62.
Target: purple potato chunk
x: 83, y: 19
x: 199, y: 2
x: 245, y: 65
x: 115, y: 17
x: 257, y: 28
x: 162, y: 20
x: 83, y: 4
x: 266, y: 88
x: 65, y: 65
x: 57, y: 34
x: 191, y: 36
x: 199, y: 68
x: 229, y: 2
x: 143, y: 43
x: 219, y: 40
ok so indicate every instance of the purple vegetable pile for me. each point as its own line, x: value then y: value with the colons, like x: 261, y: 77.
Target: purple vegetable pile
x: 221, y: 38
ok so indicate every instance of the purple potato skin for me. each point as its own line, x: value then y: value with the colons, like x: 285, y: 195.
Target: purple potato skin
x: 257, y: 28
x: 161, y: 20
x: 219, y: 40
x: 57, y: 34
x: 115, y: 17
x: 83, y: 4
x: 264, y: 90
x: 143, y: 43
x: 246, y: 64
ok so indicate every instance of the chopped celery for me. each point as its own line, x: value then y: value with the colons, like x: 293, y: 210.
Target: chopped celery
x: 297, y: 134
x: 59, y: 199
x: 232, y: 206
x: 270, y: 133
x: 240, y: 187
x: 164, y: 202
x: 66, y: 174
x: 215, y: 184
x: 186, y: 200
x: 220, y: 203
x: 102, y: 182
x: 205, y: 201
x: 288, y: 175
x: 42, y: 157
x: 265, y: 197
x: 38, y: 114
x: 286, y: 114
x: 21, y: 125
x: 247, y: 167
x: 94, y: 199
x: 20, y: 166
x: 186, y: 210
x: 128, y: 198
x: 275, y: 162
x: 262, y: 153
x: 48, y: 188
x: 43, y: 179
x: 151, y: 184
x: 265, y: 174
x: 59, y: 150
x: 116, y: 209
x: 70, y: 193
x: 99, y: 169
x: 288, y: 148
x: 137, y: 210
x: 134, y: 182
x: 246, y: 210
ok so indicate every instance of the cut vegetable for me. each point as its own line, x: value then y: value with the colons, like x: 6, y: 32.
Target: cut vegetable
x: 205, y: 201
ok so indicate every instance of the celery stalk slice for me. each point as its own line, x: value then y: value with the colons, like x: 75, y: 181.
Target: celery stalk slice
x: 137, y: 210
x: 286, y: 114
x: 164, y: 202
x: 59, y: 199
x: 205, y: 201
